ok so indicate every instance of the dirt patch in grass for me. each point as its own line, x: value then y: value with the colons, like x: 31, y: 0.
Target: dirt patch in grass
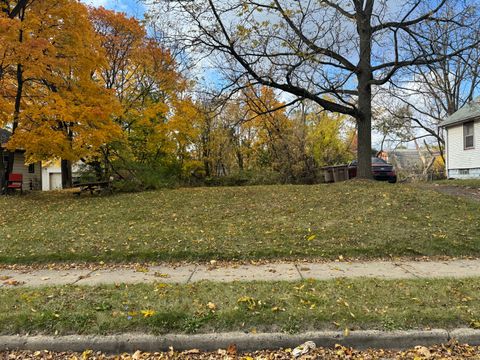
x: 469, y: 183
x: 468, y: 192
x: 352, y: 219
x: 242, y: 306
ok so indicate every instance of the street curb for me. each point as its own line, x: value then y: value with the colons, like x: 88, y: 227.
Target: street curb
x: 116, y: 344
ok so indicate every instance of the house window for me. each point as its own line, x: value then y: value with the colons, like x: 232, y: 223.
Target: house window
x: 468, y: 135
x: 31, y: 169
x: 464, y: 172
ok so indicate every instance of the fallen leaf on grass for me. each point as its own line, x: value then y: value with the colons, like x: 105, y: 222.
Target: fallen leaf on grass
x: 250, y: 302
x: 311, y: 237
x: 5, y: 277
x: 147, y: 313
x: 475, y: 324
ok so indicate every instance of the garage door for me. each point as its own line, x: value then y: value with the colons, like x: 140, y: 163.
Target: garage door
x: 55, y: 181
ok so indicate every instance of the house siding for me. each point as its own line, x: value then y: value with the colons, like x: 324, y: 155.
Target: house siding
x: 30, y: 181
x: 460, y: 160
x: 47, y: 171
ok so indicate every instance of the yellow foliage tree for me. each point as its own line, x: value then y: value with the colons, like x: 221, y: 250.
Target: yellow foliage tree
x: 59, y: 109
x: 157, y: 116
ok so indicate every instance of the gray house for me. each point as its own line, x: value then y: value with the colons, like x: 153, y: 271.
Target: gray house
x: 462, y: 142
x: 32, y: 173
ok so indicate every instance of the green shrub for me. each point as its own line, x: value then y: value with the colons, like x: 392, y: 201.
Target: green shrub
x: 247, y: 177
x: 140, y: 177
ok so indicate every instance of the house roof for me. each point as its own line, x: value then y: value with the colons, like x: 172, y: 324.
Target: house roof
x: 470, y: 111
x: 409, y: 158
x: 4, y: 136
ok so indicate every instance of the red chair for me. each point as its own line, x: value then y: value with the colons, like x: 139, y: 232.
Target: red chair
x: 15, y: 181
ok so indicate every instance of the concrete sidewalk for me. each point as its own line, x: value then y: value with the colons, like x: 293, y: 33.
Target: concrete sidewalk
x: 270, y: 272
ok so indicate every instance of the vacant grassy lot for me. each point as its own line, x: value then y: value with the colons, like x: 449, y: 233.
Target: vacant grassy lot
x: 254, y: 306
x: 361, y: 219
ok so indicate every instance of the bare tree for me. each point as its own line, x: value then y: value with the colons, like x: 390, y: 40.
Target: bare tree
x: 422, y: 96
x: 331, y: 52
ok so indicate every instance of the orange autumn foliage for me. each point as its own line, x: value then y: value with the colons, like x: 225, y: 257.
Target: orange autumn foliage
x: 64, y: 112
x: 157, y: 116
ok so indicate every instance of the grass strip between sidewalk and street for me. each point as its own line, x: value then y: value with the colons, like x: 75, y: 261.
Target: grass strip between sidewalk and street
x: 242, y: 306
x: 359, y: 219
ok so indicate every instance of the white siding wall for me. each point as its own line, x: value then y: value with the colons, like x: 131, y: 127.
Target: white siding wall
x: 458, y: 158
x: 462, y: 163
x: 46, y: 173
x: 34, y: 180
x: 54, y: 169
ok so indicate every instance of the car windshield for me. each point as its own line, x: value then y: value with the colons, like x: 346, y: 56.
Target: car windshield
x: 376, y: 160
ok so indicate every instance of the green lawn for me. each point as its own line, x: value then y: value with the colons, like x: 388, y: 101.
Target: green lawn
x: 352, y: 219
x: 242, y: 306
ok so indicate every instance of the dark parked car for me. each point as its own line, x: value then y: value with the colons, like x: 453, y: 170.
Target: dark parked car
x: 380, y: 168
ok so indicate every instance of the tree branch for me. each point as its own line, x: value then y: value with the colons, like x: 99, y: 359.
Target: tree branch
x: 405, y: 24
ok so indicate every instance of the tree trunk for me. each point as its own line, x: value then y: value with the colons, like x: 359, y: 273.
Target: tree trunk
x: 364, y: 149
x: 16, y: 113
x: 239, y: 156
x: 3, y: 179
x: 66, y: 174
x: 364, y: 77
x: 206, y: 155
x: 18, y: 95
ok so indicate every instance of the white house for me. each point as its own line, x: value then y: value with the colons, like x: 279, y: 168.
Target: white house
x: 462, y: 142
x: 51, y: 175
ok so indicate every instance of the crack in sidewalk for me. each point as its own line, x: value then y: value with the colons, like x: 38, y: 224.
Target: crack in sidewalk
x: 81, y: 277
x: 299, y: 272
x: 191, y: 275
x: 402, y: 266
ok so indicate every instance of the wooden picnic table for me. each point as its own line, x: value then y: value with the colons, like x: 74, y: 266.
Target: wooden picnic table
x: 94, y: 187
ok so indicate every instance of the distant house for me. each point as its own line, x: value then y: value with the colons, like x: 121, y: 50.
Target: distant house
x: 412, y: 161
x: 462, y: 142
x: 32, y: 173
x: 51, y: 175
